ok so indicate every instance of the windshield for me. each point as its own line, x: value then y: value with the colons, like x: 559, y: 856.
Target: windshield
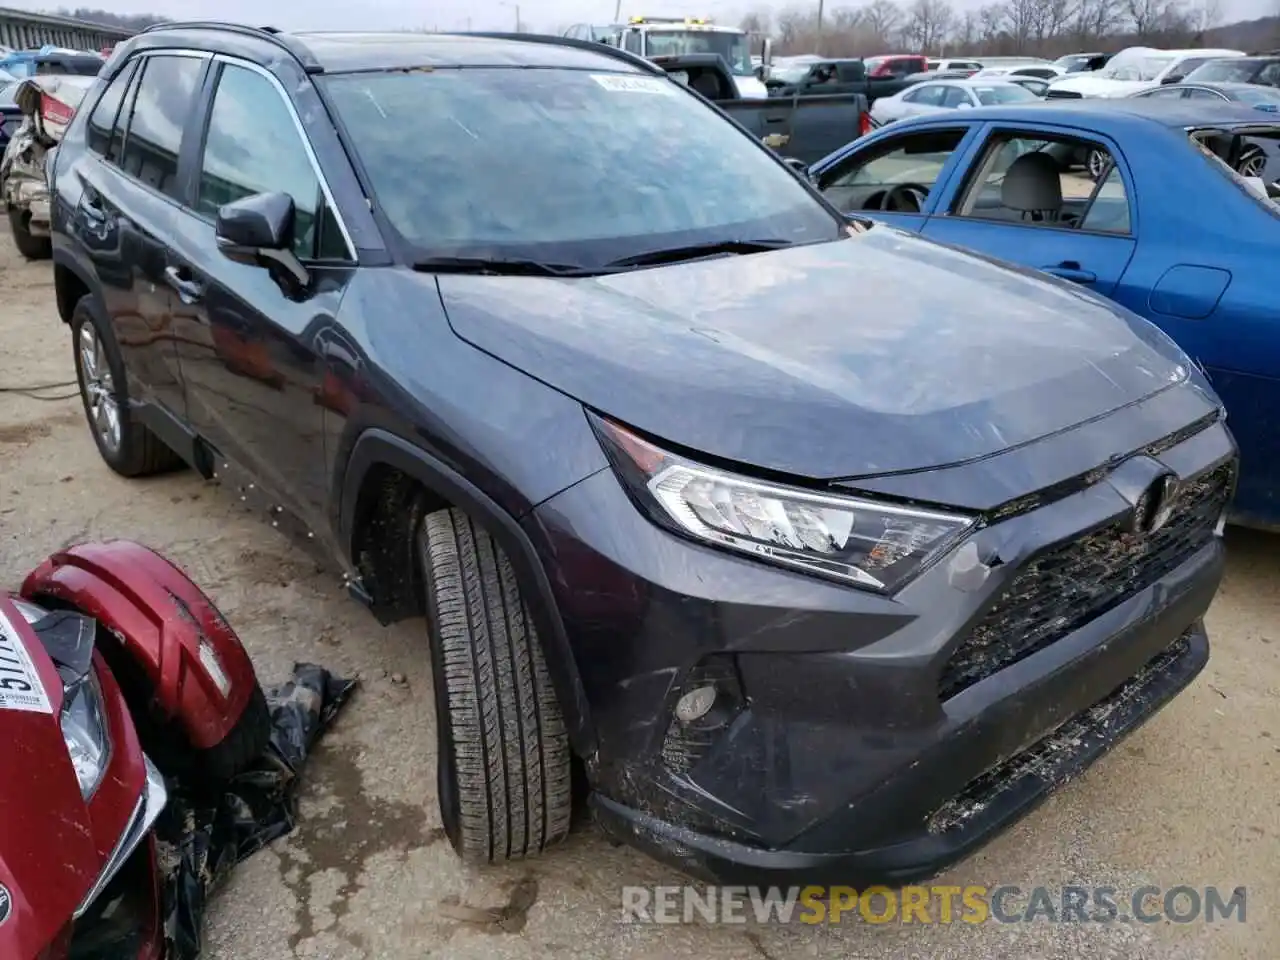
x: 564, y: 166
x: 1255, y: 96
x: 1003, y: 93
x: 732, y: 46
x: 1224, y: 71
x: 1148, y: 68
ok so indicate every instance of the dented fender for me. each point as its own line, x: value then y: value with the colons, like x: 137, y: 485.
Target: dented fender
x: 165, y: 623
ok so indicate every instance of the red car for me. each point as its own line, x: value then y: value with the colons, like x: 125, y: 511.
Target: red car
x: 115, y: 670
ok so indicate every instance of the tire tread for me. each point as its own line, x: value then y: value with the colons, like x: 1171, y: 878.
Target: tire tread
x: 509, y: 741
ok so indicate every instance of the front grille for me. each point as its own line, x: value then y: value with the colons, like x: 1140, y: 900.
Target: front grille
x: 1053, y: 94
x: 1074, y: 582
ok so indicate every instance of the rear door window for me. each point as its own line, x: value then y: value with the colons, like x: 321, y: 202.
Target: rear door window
x: 102, y: 122
x: 165, y: 98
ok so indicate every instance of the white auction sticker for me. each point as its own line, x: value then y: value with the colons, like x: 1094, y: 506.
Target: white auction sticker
x: 20, y: 686
x: 627, y: 83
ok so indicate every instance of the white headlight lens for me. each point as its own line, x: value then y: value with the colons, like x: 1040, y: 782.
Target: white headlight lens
x: 874, y: 545
x: 84, y: 729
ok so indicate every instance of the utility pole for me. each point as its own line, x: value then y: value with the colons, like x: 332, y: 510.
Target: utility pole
x: 819, y: 39
x: 617, y: 11
x: 517, y: 18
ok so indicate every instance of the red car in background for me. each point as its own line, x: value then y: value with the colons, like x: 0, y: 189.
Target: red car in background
x: 115, y: 670
x: 896, y: 65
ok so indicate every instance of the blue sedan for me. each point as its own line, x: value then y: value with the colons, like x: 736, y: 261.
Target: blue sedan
x: 1163, y: 224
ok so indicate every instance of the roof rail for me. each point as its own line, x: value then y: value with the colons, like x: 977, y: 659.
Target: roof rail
x: 289, y: 44
x: 595, y: 46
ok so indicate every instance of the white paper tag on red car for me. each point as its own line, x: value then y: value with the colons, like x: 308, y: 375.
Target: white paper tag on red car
x: 626, y: 83
x: 20, y: 685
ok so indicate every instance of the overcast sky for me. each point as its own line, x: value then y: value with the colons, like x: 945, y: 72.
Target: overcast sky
x: 479, y: 14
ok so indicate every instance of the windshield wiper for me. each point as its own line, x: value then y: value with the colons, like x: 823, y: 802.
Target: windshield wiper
x: 694, y: 251
x: 500, y: 267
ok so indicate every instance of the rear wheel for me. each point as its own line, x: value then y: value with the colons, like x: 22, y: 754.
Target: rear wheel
x: 127, y: 447
x: 1098, y: 163
x: 28, y: 244
x: 503, y: 766
x: 1252, y: 163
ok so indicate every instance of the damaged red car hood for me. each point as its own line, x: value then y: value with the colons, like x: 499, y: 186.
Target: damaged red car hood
x: 875, y: 354
x: 48, y: 856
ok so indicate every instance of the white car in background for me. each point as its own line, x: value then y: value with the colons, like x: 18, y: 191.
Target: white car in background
x: 933, y: 96
x: 1134, y: 69
x: 1041, y: 71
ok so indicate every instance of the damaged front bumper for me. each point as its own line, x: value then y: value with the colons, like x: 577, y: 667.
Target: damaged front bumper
x: 857, y: 738
x: 137, y: 829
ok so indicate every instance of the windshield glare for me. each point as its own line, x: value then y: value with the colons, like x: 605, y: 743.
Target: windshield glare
x: 1003, y: 93
x: 564, y: 166
x: 1256, y: 95
x: 1223, y: 71
x: 732, y: 46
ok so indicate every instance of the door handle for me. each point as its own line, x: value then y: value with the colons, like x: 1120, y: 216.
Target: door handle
x: 189, y: 291
x: 1070, y: 270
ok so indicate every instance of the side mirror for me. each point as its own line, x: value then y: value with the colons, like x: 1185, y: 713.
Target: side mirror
x: 766, y: 53
x: 796, y: 164
x: 964, y: 106
x: 1172, y: 78
x: 258, y: 231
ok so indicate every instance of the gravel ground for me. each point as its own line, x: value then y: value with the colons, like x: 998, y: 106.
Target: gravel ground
x: 1190, y: 799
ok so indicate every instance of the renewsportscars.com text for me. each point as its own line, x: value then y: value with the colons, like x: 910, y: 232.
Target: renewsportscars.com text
x: 971, y: 904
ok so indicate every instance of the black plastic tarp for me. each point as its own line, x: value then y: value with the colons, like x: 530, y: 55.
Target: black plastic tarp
x: 202, y: 836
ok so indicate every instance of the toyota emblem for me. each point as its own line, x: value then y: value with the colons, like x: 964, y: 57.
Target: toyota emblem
x: 1155, y: 506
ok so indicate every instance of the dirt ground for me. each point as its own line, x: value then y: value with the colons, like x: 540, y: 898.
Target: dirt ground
x: 1193, y: 798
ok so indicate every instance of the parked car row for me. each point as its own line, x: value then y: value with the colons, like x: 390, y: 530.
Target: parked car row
x: 823, y: 551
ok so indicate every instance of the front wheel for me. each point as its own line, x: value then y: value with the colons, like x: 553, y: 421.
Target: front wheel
x: 503, y: 764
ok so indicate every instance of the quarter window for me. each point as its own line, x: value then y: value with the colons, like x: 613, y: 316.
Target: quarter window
x: 253, y: 146
x: 164, y: 100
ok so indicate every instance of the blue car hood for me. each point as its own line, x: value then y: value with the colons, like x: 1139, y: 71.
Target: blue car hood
x: 879, y: 353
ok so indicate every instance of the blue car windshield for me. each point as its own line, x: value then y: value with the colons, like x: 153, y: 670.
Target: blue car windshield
x: 563, y: 165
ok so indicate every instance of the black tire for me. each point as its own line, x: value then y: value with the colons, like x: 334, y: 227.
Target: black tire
x: 30, y: 246
x: 503, y: 768
x: 138, y: 452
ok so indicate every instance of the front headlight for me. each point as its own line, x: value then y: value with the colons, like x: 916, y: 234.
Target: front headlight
x: 84, y: 729
x: 877, y: 546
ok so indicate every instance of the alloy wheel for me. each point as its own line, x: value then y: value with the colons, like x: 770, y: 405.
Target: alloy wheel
x: 99, y: 388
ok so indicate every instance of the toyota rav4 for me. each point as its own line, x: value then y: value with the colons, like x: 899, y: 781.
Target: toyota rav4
x: 824, y: 551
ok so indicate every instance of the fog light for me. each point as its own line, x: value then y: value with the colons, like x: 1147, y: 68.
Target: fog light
x: 695, y: 704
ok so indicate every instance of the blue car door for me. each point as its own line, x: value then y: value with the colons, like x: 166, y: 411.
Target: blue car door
x: 897, y: 177
x: 1025, y: 195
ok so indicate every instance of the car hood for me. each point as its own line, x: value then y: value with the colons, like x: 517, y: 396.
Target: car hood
x: 48, y: 857
x: 879, y: 353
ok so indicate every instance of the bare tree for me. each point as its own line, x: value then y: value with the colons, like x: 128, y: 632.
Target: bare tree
x: 928, y: 24
x: 882, y: 18
x: 756, y: 22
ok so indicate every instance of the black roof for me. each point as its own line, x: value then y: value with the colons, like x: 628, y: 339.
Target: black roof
x: 345, y: 52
